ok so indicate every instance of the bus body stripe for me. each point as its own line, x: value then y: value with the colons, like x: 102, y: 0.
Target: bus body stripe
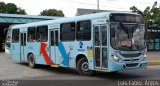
x: 64, y: 54
x: 45, y: 55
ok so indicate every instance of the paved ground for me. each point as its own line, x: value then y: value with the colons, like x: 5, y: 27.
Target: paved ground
x: 10, y: 70
x: 153, y: 57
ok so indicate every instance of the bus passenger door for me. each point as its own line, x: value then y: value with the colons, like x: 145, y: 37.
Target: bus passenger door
x: 100, y: 46
x: 54, y: 46
x: 23, y: 47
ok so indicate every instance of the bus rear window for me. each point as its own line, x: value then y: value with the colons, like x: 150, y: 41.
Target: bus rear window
x: 15, y: 35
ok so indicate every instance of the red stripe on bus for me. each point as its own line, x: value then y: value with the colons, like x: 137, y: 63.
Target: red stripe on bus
x: 45, y: 55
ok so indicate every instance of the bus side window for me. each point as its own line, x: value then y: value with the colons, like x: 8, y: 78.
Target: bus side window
x: 83, y: 32
x: 31, y: 34
x: 52, y: 38
x: 15, y: 35
x: 67, y: 31
x: 42, y: 34
x: 56, y: 38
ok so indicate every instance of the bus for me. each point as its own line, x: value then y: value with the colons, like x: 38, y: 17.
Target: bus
x: 107, y: 41
x: 8, y: 41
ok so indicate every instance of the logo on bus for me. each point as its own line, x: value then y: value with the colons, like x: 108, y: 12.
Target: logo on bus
x: 81, y: 46
x: 132, y: 60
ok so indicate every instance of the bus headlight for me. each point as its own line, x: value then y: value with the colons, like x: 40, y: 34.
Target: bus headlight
x: 116, y: 58
x: 144, y: 54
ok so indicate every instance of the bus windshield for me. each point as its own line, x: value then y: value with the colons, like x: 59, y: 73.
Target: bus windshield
x: 127, y: 37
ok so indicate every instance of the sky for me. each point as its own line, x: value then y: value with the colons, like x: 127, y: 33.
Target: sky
x: 69, y: 7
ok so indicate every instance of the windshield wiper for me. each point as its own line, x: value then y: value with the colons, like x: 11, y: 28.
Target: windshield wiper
x: 129, y: 30
x: 135, y: 27
x: 126, y: 30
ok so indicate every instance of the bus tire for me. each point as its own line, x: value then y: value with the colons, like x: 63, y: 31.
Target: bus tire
x: 83, y: 67
x: 31, y: 61
x: 114, y: 72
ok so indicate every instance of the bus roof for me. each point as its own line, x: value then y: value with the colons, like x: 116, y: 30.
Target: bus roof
x: 69, y: 19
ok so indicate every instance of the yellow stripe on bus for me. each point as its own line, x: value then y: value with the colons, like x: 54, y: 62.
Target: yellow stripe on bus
x: 54, y: 65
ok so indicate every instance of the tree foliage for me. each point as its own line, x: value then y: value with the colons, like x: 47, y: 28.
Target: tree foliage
x: 151, y: 17
x: 11, y: 8
x: 2, y: 7
x: 21, y: 11
x: 149, y: 14
x: 52, y: 12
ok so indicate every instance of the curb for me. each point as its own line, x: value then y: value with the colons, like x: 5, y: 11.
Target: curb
x: 154, y: 62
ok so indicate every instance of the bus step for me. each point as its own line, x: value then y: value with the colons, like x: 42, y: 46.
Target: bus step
x: 55, y: 65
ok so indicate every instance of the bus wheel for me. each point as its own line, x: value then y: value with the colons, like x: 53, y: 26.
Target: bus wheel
x: 83, y: 67
x: 31, y: 61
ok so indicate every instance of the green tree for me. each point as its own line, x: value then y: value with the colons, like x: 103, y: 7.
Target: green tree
x: 21, y: 11
x: 135, y: 9
x: 11, y: 8
x: 149, y: 14
x: 2, y: 7
x: 151, y: 17
x: 59, y: 13
x: 52, y: 12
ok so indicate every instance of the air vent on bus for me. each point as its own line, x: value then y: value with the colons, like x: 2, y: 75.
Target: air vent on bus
x: 131, y: 55
x: 131, y: 60
x: 132, y: 65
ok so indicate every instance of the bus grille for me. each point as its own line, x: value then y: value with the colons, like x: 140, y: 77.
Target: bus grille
x: 131, y: 55
x: 132, y: 60
x: 132, y: 65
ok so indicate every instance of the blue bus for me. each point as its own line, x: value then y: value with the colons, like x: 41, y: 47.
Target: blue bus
x: 107, y: 41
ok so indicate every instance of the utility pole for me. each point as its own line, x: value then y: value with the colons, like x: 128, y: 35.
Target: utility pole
x: 97, y: 4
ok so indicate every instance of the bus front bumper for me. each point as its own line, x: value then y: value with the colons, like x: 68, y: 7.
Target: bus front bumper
x: 119, y: 66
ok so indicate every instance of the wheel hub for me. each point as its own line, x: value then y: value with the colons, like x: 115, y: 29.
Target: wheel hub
x: 85, y: 66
